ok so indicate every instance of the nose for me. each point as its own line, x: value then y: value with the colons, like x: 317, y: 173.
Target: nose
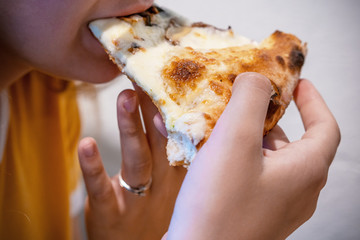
x: 115, y: 8
x: 141, y: 5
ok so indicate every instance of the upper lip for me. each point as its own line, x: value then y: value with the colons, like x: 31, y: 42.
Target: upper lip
x: 142, y: 6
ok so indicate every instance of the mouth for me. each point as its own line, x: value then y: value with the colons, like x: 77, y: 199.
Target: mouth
x: 91, y: 44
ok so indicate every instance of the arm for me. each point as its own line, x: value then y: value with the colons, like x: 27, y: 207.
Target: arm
x: 236, y: 189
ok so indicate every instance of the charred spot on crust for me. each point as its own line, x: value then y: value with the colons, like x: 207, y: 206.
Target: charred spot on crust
x: 232, y: 77
x: 216, y: 88
x: 277, y: 33
x: 181, y: 76
x: 264, y: 56
x: 273, y: 107
x: 210, y: 120
x: 296, y: 59
x: 276, y: 94
x: 186, y: 70
x: 220, y: 89
x: 274, y: 104
x: 280, y: 60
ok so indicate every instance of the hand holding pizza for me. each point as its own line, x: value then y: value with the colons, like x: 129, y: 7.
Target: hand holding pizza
x: 237, y: 189
x: 111, y: 210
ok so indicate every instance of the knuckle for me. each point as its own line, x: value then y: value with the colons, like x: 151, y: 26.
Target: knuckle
x: 317, y: 162
x: 337, y: 132
x: 101, y: 195
x: 138, y: 167
x: 321, y: 180
x: 323, y: 176
x: 311, y: 207
x: 319, y: 177
x: 137, y: 173
x: 130, y: 131
x: 95, y: 171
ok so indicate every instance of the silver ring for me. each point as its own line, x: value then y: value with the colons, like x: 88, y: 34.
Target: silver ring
x: 140, y: 191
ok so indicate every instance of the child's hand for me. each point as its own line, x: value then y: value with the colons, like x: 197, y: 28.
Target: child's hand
x: 113, y: 212
x: 237, y: 189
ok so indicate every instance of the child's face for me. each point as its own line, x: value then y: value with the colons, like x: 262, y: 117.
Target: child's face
x: 52, y: 35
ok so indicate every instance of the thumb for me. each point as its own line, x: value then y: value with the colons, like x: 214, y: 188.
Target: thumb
x: 243, y: 118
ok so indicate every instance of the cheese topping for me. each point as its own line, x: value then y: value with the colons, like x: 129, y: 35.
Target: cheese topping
x: 188, y: 70
x: 135, y: 43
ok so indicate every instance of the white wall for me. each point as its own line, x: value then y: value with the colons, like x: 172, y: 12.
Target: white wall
x: 332, y: 31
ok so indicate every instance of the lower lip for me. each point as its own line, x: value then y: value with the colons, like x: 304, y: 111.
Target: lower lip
x: 92, y: 44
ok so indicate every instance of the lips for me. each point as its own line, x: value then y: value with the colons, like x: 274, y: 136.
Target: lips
x: 91, y: 44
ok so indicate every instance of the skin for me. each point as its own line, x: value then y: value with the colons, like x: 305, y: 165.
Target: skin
x: 264, y: 190
x: 124, y: 215
x: 251, y: 198
x: 261, y: 192
x: 52, y: 36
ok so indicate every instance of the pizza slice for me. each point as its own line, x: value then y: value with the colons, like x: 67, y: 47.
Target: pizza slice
x: 188, y: 70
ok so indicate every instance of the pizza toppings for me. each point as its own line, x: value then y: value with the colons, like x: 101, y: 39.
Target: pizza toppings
x: 188, y: 70
x: 184, y: 71
x: 135, y: 47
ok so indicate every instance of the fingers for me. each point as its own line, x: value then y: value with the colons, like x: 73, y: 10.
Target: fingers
x: 159, y: 124
x: 98, y: 184
x: 242, y: 122
x: 149, y: 110
x: 320, y: 125
x: 156, y: 139
x: 276, y: 139
x: 136, y: 155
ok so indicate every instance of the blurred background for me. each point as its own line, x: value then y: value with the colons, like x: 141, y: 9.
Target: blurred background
x: 331, y: 29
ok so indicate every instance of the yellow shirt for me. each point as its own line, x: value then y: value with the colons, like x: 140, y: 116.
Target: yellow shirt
x: 39, y: 167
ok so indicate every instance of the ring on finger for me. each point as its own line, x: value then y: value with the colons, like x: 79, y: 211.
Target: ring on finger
x: 140, y: 191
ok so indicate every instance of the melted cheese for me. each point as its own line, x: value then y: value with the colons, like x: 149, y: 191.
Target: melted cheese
x: 143, y: 51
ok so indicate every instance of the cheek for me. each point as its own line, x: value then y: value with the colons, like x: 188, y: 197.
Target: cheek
x: 52, y: 36
x: 66, y: 49
x: 84, y: 58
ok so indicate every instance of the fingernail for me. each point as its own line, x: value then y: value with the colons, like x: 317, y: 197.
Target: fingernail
x: 130, y: 104
x: 89, y: 150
